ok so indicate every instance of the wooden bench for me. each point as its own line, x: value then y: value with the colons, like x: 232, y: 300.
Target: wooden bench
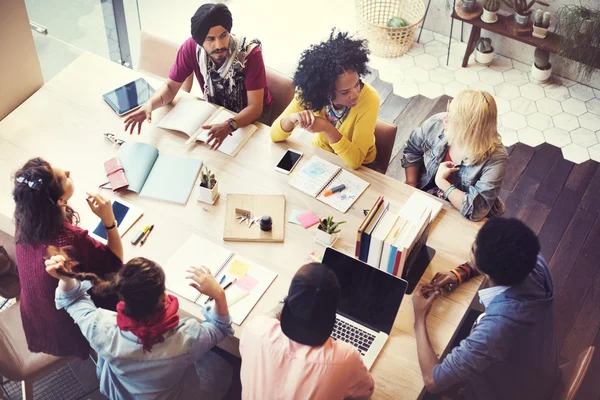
x: 501, y: 27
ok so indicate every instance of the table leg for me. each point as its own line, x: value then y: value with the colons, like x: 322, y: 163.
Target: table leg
x: 423, y: 24
x: 450, y: 40
x: 473, y: 37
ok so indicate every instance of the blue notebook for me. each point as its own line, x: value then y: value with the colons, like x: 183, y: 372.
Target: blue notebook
x: 158, y: 176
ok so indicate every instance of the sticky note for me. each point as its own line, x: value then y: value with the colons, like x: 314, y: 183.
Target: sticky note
x: 294, y: 217
x: 247, y: 283
x: 238, y: 268
x: 307, y: 219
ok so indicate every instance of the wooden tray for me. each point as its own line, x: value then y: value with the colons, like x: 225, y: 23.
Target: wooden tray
x: 259, y: 205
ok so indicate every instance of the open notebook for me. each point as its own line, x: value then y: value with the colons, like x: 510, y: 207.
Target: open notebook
x: 319, y: 175
x: 188, y: 116
x: 250, y: 280
x: 158, y: 176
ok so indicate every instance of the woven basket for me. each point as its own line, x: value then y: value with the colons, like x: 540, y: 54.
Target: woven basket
x: 373, y: 17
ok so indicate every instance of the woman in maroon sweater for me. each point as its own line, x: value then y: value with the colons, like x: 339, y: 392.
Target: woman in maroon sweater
x: 43, y: 218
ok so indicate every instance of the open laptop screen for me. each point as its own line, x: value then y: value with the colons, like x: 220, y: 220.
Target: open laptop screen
x: 370, y: 296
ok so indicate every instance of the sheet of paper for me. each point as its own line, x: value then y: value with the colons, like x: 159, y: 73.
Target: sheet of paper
x: 238, y: 268
x: 247, y: 283
x: 196, y: 251
x: 342, y: 201
x: 294, y: 217
x: 417, y: 203
x: 187, y: 116
x: 313, y: 177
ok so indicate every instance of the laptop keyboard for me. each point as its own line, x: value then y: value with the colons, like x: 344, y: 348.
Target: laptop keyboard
x: 355, y: 336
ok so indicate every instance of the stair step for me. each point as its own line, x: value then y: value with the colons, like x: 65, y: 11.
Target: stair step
x: 392, y: 107
x: 383, y: 88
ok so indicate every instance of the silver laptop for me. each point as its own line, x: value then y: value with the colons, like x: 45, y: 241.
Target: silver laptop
x: 368, y: 305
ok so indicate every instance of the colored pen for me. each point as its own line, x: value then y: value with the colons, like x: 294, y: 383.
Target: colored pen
x: 333, y: 190
x: 147, y: 234
x: 139, y: 235
x: 220, y: 283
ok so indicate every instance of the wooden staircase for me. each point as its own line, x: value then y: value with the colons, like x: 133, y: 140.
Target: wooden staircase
x: 407, y: 114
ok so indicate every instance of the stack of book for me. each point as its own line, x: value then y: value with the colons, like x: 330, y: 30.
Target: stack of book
x: 390, y: 241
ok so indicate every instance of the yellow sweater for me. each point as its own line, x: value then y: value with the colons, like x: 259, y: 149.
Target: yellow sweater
x: 357, y: 145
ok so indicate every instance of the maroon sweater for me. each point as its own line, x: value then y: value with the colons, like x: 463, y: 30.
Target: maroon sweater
x: 47, y: 329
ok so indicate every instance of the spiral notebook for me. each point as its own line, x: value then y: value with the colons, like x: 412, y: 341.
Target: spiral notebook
x: 319, y: 175
x: 249, y: 281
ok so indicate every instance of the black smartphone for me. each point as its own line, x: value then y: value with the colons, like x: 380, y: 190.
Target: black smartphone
x: 288, y: 161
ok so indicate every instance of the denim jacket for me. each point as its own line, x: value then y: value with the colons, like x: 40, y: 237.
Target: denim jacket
x: 427, y: 146
x: 127, y: 372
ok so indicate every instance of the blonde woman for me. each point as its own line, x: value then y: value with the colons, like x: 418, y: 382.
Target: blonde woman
x: 458, y: 155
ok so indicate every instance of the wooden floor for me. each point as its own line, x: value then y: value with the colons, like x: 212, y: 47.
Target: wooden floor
x: 560, y: 201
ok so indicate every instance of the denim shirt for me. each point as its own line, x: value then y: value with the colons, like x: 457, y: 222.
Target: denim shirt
x: 127, y: 372
x: 427, y: 146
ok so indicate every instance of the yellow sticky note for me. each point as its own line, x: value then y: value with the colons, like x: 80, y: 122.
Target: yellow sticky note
x: 238, y: 268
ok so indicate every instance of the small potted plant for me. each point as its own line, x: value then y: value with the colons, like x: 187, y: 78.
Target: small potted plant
x: 490, y: 7
x: 484, y: 52
x: 327, y: 229
x: 522, y: 9
x: 209, y: 187
x: 541, y: 22
x: 541, y: 68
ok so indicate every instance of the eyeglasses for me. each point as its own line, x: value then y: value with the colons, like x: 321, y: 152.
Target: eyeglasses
x: 34, y: 184
x: 114, y: 139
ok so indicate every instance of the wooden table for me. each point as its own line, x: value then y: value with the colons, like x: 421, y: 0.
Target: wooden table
x: 550, y: 43
x: 64, y: 121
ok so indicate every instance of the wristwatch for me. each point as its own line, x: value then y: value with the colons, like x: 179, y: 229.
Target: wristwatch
x: 232, y: 124
x: 113, y: 226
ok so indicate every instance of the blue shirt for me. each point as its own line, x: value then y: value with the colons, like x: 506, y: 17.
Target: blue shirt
x: 511, y: 353
x: 127, y: 372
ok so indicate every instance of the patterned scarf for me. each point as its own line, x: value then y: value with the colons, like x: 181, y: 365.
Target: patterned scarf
x: 224, y: 85
x: 336, y: 116
x: 151, y: 331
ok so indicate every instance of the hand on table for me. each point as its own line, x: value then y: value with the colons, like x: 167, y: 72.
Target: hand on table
x: 217, y: 133
x: 443, y: 173
x: 421, y: 304
x: 102, y: 208
x: 136, y: 118
x: 203, y: 281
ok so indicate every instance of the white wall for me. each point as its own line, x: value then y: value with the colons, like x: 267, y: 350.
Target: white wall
x: 438, y: 20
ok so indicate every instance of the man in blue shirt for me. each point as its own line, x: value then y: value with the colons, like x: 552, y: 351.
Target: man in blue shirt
x: 511, y: 352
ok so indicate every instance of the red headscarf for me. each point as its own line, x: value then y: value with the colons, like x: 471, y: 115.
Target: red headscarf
x: 151, y: 331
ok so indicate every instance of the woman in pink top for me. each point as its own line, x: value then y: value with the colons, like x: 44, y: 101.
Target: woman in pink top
x: 292, y: 356
x: 43, y: 218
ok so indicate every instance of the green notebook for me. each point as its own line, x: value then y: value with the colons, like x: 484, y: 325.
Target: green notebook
x: 158, y: 176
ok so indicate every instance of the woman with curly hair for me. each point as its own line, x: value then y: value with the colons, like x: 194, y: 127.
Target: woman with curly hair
x: 44, y: 218
x: 332, y: 102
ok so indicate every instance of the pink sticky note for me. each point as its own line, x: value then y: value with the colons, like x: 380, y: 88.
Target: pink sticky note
x: 247, y: 283
x: 307, y: 219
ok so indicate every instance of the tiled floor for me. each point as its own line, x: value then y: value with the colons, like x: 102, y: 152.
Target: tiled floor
x: 561, y: 112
